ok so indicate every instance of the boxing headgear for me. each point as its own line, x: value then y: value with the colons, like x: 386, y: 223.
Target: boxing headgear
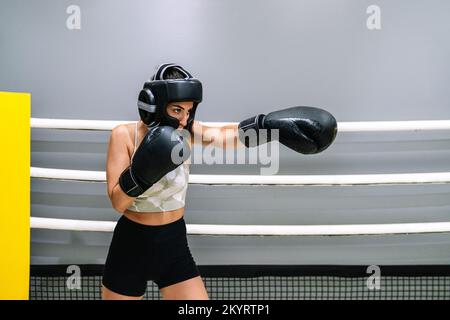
x: 158, y: 92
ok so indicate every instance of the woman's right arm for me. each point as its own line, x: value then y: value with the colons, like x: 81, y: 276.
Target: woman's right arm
x: 118, y: 160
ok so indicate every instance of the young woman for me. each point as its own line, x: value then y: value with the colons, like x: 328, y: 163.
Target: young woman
x: 147, y: 185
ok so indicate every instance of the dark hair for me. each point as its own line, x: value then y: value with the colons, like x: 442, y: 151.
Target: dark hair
x: 173, y: 73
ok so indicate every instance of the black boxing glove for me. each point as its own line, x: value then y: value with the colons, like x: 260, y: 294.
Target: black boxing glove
x: 307, y: 130
x: 162, y: 150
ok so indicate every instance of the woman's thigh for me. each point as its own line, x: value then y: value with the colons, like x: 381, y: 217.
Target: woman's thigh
x: 110, y: 295
x: 192, y: 289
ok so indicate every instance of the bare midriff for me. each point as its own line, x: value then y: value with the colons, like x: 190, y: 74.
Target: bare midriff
x: 154, y: 218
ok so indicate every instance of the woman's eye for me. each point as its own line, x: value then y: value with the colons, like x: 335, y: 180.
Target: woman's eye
x: 179, y: 111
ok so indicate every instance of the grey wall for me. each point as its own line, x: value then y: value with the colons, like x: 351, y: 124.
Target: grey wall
x: 252, y: 57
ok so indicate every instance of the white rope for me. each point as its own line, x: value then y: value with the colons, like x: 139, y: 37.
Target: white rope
x: 62, y: 174
x: 380, y: 126
x: 71, y: 225
x: 301, y: 180
x: 100, y: 125
x: 363, y: 126
x: 258, y: 230
x: 332, y: 180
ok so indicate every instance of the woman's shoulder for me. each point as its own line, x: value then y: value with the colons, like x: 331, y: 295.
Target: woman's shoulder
x: 123, y: 132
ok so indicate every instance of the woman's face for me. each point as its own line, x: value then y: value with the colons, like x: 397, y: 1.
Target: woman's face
x: 180, y: 111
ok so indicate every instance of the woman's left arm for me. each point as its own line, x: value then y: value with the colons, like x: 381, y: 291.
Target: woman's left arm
x: 220, y: 136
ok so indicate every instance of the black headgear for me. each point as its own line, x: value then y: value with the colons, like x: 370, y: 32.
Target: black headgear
x: 157, y: 93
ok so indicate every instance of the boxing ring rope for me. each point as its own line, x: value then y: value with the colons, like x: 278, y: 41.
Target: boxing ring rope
x: 364, y: 126
x: 257, y: 230
x: 292, y: 180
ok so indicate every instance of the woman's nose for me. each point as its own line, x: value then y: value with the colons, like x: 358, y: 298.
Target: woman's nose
x: 184, y: 120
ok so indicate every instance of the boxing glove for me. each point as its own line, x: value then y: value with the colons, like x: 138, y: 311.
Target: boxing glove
x: 162, y: 150
x: 307, y: 130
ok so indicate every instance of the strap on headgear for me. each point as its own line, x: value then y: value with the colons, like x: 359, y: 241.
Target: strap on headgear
x: 158, y: 92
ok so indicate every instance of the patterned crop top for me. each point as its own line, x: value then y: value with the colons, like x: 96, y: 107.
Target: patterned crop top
x: 167, y: 194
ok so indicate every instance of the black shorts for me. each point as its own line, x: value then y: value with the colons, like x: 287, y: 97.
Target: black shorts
x: 139, y: 253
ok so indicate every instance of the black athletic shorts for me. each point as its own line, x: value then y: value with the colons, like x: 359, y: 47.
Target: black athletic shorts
x: 139, y: 253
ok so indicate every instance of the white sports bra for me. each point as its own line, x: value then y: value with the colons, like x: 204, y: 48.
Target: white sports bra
x: 167, y: 194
